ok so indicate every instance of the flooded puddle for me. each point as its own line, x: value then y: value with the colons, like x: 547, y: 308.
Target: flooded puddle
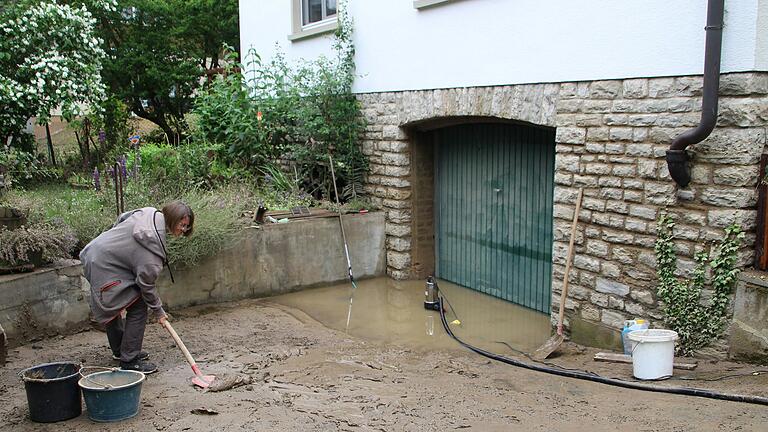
x: 392, y: 311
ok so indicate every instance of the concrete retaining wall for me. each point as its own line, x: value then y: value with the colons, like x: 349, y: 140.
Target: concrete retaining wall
x: 749, y: 330
x: 272, y: 260
x: 44, y: 302
x: 280, y: 258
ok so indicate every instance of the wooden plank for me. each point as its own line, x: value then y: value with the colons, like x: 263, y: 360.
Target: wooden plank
x: 314, y: 213
x: 625, y: 358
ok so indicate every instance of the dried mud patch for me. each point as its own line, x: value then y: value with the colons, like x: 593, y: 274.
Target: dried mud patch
x: 304, y: 376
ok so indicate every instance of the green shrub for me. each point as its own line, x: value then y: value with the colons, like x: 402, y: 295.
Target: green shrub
x: 105, y: 134
x: 191, y: 165
x: 156, y: 136
x: 306, y: 112
x: 226, y: 114
x: 217, y: 223
x: 22, y: 168
x: 218, y: 211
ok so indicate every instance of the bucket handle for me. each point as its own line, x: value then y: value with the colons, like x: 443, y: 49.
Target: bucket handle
x: 24, y: 379
x: 100, y: 369
x: 637, y: 343
x: 103, y: 369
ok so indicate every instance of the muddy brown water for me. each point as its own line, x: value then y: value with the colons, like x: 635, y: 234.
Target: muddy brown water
x: 386, y: 374
x: 392, y: 311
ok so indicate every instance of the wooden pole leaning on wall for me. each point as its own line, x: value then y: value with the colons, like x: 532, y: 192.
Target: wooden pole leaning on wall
x: 119, y: 190
x: 122, y: 192
x: 48, y: 139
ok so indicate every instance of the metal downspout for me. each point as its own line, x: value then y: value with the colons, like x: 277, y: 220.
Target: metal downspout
x: 677, y: 159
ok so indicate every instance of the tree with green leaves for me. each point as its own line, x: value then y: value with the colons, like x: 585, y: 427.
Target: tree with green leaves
x: 158, y: 50
x: 213, y: 24
x: 305, y: 111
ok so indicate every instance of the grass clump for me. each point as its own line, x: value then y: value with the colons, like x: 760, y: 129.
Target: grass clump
x: 218, y: 223
x: 52, y: 241
x: 87, y: 213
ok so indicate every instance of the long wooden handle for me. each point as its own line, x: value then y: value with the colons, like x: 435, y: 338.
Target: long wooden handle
x: 182, y: 347
x: 568, y: 262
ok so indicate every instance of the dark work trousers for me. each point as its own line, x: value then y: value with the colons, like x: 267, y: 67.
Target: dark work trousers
x: 127, y: 335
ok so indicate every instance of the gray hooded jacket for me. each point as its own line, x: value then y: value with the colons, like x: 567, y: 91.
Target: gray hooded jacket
x: 122, y: 264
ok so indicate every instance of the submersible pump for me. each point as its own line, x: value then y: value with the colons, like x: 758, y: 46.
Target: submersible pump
x: 431, y: 300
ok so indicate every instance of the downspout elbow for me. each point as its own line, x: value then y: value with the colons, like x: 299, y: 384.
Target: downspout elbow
x: 677, y: 164
x: 677, y: 158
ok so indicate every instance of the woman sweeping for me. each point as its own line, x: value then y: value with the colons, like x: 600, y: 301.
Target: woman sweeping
x: 122, y: 265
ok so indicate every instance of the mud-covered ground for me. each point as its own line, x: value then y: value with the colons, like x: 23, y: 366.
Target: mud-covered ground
x: 308, y: 377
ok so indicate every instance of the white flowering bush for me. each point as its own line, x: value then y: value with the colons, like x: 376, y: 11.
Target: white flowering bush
x: 50, y: 57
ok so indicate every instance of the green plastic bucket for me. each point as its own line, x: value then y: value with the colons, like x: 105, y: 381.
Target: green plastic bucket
x: 112, y: 395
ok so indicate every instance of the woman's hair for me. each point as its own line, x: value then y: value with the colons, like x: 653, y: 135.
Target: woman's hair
x: 174, y: 212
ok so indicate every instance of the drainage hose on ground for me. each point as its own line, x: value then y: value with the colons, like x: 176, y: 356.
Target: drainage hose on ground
x: 603, y: 380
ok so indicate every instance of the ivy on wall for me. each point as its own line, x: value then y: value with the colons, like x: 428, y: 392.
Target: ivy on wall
x: 696, y: 323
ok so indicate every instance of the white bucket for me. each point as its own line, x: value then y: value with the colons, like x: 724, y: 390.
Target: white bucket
x: 653, y: 354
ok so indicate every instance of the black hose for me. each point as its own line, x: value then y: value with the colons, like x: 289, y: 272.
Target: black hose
x: 603, y: 380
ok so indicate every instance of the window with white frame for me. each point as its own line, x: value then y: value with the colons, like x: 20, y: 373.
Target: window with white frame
x: 315, y: 11
x: 313, y: 17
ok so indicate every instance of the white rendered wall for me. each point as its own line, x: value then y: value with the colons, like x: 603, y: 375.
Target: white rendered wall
x: 496, y: 42
x: 761, y: 50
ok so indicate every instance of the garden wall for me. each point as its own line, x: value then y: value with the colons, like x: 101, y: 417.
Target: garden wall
x: 611, y: 140
x: 48, y: 301
x: 749, y: 330
x: 279, y: 258
x: 271, y: 260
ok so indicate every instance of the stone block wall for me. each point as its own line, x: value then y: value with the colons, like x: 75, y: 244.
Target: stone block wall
x: 611, y: 141
x: 395, y: 146
x: 423, y: 182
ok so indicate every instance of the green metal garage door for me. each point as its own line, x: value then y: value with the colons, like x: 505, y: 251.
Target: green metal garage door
x: 493, y: 218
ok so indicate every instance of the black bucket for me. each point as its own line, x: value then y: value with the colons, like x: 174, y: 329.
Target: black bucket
x: 52, y: 391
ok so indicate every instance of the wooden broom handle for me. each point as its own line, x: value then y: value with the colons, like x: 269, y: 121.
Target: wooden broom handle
x: 182, y: 347
x: 568, y: 262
